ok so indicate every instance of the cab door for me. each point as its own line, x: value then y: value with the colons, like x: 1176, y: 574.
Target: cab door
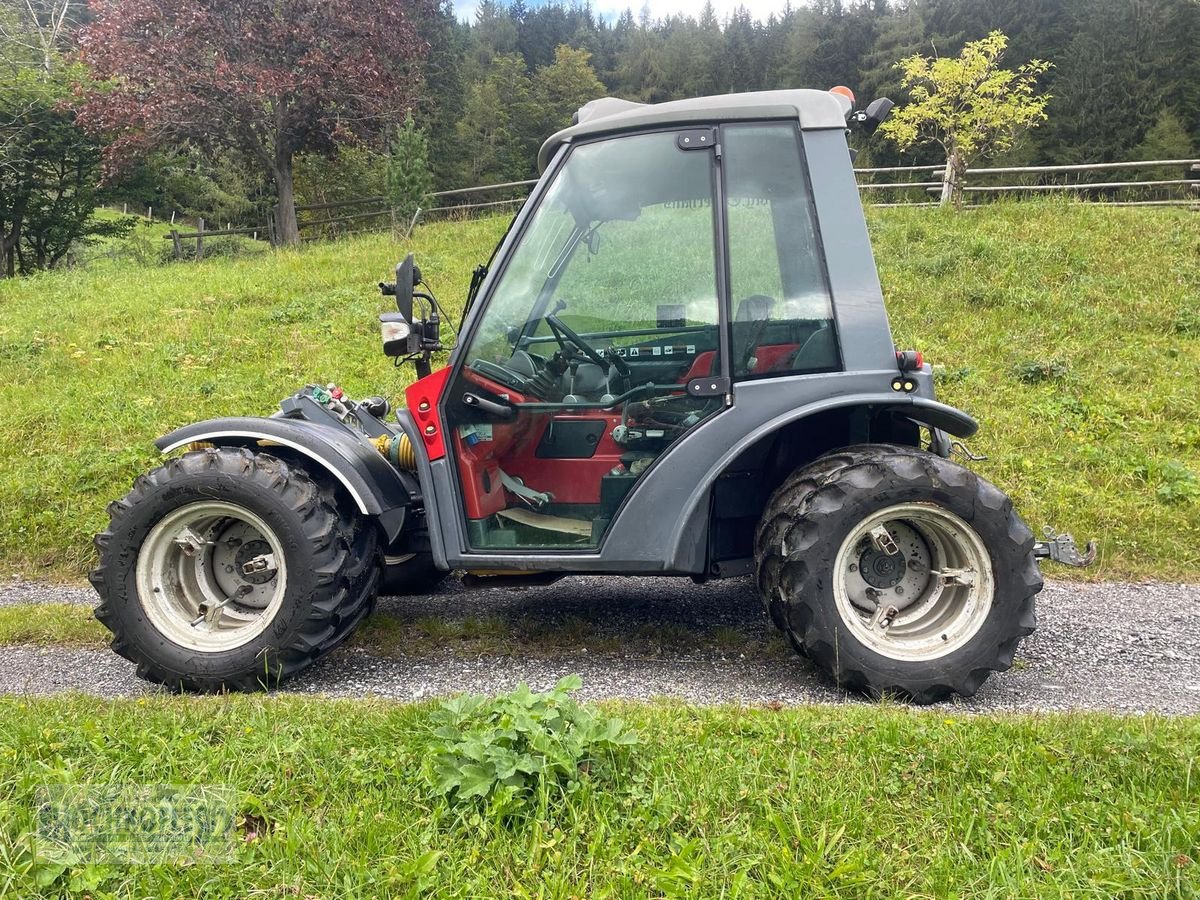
x: 593, y: 348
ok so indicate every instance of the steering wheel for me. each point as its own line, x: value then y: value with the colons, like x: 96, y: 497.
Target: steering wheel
x: 564, y: 335
x: 518, y: 381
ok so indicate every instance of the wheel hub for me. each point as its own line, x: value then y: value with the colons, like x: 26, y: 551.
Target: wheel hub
x: 881, y: 570
x: 211, y: 576
x: 913, y: 582
x: 892, y: 571
x: 247, y: 552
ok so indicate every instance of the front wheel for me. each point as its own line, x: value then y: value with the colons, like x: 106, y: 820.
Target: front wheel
x: 898, y: 572
x: 227, y: 569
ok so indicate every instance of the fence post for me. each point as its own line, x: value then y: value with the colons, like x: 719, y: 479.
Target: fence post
x: 200, y: 240
x: 178, y: 243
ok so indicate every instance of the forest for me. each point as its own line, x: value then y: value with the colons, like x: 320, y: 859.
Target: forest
x: 110, y: 91
x: 1125, y: 76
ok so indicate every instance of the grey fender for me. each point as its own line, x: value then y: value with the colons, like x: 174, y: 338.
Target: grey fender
x: 682, y: 486
x: 377, y: 488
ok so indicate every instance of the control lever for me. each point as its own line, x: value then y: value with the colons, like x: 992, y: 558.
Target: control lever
x: 488, y: 406
x: 618, y: 362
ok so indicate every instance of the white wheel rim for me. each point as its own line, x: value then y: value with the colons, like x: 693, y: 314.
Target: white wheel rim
x: 924, y: 600
x: 191, y: 567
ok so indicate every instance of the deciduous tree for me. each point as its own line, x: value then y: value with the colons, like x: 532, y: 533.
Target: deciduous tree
x: 270, y: 78
x: 562, y: 87
x: 967, y: 104
x: 49, y: 168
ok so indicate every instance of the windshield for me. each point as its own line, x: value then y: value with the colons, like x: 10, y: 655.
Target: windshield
x: 621, y: 242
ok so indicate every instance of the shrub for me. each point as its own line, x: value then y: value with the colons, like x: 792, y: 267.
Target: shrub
x: 1033, y: 371
x: 1175, y: 482
x: 507, y: 754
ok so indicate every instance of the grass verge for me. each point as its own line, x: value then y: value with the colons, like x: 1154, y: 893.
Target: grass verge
x: 55, y: 624
x: 715, y: 802
x: 392, y: 636
x: 1069, y: 330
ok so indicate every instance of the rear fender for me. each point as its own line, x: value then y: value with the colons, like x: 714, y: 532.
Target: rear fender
x: 377, y: 488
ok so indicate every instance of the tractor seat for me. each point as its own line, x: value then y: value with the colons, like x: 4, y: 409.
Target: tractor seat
x: 751, y: 318
x: 818, y: 353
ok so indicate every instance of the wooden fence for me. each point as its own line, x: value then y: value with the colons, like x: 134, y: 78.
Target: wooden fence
x: 904, y: 187
x: 1183, y: 190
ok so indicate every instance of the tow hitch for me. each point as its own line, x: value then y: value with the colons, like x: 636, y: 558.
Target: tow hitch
x: 1061, y: 548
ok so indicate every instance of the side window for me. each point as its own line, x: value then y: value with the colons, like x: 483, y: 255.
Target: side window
x: 782, y: 314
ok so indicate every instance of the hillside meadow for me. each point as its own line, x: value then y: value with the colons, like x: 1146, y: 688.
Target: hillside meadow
x: 1071, y: 331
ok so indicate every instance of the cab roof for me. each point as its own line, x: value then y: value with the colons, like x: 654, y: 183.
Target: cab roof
x: 611, y: 115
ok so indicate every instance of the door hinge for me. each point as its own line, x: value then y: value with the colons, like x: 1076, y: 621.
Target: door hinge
x: 712, y: 386
x: 697, y: 139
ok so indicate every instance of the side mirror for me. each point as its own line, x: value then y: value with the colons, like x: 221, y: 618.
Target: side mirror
x: 875, y: 115
x: 406, y: 279
x: 404, y: 335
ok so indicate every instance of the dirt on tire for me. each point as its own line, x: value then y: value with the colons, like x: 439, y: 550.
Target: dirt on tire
x: 331, y: 561
x: 810, y: 515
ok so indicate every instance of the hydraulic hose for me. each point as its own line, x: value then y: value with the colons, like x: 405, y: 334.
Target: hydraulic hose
x: 398, y: 450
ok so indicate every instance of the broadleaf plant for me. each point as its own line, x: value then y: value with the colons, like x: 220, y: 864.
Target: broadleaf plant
x: 507, y: 754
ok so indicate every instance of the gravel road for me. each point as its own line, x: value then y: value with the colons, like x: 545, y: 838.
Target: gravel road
x: 1118, y: 647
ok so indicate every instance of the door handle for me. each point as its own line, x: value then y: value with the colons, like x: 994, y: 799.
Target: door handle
x: 488, y: 406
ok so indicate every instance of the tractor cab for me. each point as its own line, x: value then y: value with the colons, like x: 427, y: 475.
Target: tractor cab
x: 671, y: 257
x: 619, y: 319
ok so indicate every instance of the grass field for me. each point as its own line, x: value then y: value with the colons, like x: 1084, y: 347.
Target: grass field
x: 819, y: 802
x: 1072, y: 332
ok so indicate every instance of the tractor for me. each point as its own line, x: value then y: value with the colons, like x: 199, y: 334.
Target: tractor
x: 677, y: 362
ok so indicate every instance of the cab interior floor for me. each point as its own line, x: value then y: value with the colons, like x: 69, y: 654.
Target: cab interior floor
x: 547, y: 528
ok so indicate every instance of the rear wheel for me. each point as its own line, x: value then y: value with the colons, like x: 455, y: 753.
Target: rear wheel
x: 898, y: 572
x: 226, y: 569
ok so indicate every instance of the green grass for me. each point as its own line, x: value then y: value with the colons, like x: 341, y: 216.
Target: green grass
x: 853, y: 802
x: 1064, y: 328
x: 390, y: 635
x: 1070, y: 331
x: 55, y: 624
x: 101, y: 361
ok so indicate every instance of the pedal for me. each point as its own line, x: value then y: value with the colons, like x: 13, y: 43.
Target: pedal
x: 1061, y: 548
